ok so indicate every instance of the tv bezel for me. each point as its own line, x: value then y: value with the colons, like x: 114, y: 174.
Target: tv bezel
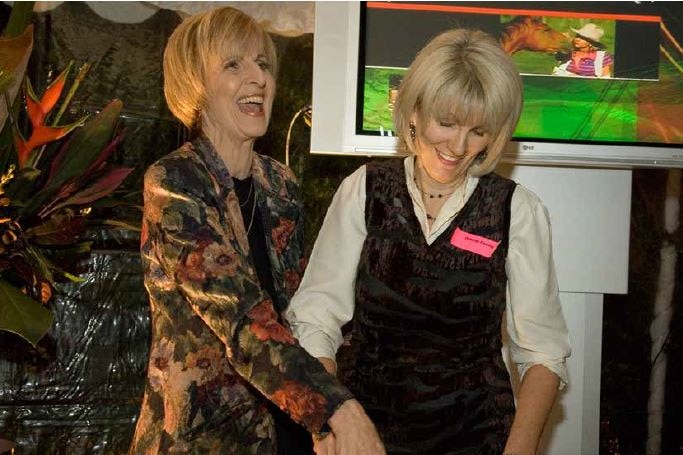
x: 334, y: 107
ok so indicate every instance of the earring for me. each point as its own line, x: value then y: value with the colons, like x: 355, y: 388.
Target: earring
x: 197, y: 118
x: 412, y: 131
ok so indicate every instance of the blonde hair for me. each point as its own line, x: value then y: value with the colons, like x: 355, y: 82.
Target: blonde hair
x: 465, y: 75
x: 219, y: 33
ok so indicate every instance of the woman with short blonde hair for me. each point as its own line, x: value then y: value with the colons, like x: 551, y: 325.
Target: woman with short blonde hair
x: 198, y: 39
x: 222, y: 253
x: 464, y: 73
x: 437, y: 252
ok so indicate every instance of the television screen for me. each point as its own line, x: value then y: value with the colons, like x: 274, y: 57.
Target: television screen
x: 618, y: 102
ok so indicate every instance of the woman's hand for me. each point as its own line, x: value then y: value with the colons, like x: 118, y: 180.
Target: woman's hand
x: 354, y: 433
x: 324, y: 446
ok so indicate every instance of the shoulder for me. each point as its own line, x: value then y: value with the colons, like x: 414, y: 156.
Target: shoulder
x: 275, y: 177
x: 356, y: 180
x: 526, y: 197
x: 493, y: 183
x: 182, y: 156
x: 182, y: 169
x: 526, y: 205
x: 274, y: 168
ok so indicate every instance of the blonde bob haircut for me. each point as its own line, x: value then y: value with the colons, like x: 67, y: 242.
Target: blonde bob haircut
x: 463, y: 76
x: 220, y: 33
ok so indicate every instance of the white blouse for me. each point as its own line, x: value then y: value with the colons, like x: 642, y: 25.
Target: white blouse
x: 324, y: 301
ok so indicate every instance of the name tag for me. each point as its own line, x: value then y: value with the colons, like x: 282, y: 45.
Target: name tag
x: 474, y: 243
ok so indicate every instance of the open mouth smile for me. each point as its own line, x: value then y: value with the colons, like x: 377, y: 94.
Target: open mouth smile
x: 251, y: 105
x: 448, y: 159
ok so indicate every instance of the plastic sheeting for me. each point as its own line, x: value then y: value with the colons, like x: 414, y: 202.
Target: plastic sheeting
x: 80, y: 391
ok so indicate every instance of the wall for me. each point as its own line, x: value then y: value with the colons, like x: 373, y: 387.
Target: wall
x: 590, y: 213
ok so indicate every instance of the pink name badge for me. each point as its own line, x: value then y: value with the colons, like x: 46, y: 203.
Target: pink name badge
x: 474, y: 243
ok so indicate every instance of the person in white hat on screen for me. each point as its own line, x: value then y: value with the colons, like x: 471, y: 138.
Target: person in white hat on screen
x: 588, y: 57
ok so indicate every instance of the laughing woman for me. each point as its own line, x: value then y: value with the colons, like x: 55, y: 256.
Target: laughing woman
x: 221, y: 248
x: 437, y: 252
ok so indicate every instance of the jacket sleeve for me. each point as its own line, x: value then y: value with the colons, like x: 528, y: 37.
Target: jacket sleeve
x: 196, y: 245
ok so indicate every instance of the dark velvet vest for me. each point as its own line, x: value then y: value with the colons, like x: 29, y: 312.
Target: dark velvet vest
x: 425, y: 357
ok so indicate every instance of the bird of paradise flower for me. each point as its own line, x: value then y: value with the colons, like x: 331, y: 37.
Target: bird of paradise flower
x: 54, y: 175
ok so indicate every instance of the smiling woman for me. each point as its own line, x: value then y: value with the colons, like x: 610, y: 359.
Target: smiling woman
x: 221, y: 247
x: 438, y: 250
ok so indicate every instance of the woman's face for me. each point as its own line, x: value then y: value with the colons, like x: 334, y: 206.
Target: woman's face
x: 447, y: 149
x: 581, y: 44
x: 239, y: 95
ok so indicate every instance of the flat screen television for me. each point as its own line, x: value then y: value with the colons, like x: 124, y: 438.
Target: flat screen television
x: 630, y: 115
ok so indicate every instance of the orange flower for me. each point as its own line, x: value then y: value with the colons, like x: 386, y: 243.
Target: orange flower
x: 192, y: 267
x: 292, y: 280
x: 37, y: 111
x: 282, y: 233
x: 302, y: 403
x: 45, y: 292
x: 266, y: 327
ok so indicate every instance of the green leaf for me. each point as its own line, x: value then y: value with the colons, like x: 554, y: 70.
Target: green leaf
x: 44, y: 265
x: 104, y: 186
x: 39, y: 263
x: 81, y: 150
x: 59, y: 229
x: 19, y: 18
x: 123, y: 225
x: 22, y: 315
x: 23, y: 185
x: 63, y: 254
x: 6, y: 79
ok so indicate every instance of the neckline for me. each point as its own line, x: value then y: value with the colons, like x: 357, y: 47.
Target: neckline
x: 459, y: 215
x: 455, y: 220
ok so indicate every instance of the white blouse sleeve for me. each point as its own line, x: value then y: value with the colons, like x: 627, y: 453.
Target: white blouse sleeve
x: 324, y: 301
x: 534, y: 319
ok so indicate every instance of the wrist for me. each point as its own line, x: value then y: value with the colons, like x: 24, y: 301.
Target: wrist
x: 329, y: 365
x: 347, y: 413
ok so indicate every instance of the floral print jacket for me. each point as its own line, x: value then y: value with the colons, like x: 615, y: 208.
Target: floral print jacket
x: 218, y: 351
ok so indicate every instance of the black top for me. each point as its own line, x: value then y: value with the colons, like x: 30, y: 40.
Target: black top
x: 291, y: 438
x: 253, y: 224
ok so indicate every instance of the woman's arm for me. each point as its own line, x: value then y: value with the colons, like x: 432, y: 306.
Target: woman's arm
x: 325, y: 300
x: 539, y: 341
x: 535, y: 400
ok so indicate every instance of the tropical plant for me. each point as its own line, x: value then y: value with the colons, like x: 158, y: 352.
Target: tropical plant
x: 49, y: 181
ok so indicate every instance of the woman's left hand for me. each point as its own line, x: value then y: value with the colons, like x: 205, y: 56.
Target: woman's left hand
x: 324, y: 446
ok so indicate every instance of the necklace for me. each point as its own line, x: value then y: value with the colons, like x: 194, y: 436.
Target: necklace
x: 437, y: 196
x: 431, y: 195
x: 251, y: 188
x: 253, y: 211
x: 244, y: 205
x: 430, y: 217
